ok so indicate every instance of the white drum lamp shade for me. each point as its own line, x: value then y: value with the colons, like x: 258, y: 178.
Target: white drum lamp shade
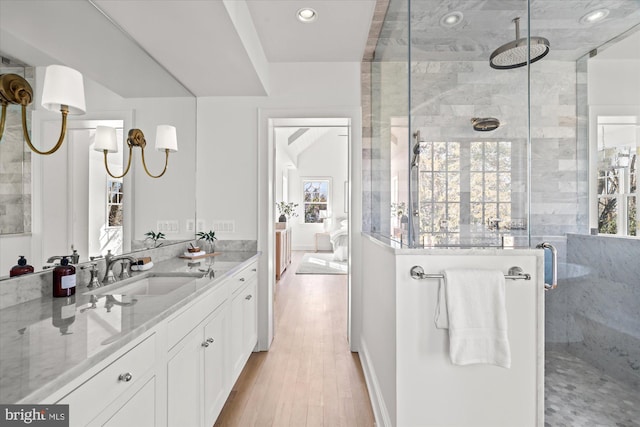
x: 166, y: 138
x: 63, y: 86
x: 106, y: 139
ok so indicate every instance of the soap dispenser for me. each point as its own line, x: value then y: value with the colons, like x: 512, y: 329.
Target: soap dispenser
x: 64, y: 279
x: 21, y: 268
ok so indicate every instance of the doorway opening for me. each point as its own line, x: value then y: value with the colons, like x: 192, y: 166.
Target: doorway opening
x: 309, y: 171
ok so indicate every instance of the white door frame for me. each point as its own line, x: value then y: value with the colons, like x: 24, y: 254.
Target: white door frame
x: 266, y: 217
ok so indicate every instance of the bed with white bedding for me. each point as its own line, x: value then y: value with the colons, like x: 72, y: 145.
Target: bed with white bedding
x: 340, y: 241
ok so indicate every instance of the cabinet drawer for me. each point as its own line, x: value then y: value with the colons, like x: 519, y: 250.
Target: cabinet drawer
x: 243, y: 277
x: 119, y: 376
x: 179, y: 326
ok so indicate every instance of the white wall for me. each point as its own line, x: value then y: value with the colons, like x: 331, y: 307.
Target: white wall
x: 378, y: 337
x: 327, y: 158
x: 232, y: 167
x: 228, y: 136
x: 614, y: 82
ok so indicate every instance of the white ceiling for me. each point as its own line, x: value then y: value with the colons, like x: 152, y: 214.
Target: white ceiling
x: 213, y: 47
x: 487, y: 25
x: 224, y: 47
x: 338, y: 34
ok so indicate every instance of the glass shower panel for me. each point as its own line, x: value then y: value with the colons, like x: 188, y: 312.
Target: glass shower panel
x: 469, y: 123
x: 389, y: 153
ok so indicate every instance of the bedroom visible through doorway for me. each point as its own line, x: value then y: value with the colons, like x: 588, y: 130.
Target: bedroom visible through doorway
x: 311, y: 177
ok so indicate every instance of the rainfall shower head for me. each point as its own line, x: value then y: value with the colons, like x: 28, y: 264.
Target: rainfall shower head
x: 514, y: 54
x: 485, y: 124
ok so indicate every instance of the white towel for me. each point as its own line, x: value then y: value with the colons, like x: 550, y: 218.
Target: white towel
x: 192, y: 254
x: 142, y: 267
x: 471, y: 304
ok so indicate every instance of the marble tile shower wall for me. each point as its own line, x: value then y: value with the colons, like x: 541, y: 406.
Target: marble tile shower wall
x: 15, y: 173
x: 602, y: 305
x: 384, y: 99
x: 446, y: 95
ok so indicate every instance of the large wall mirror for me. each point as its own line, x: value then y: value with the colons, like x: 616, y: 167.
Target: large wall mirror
x: 50, y: 205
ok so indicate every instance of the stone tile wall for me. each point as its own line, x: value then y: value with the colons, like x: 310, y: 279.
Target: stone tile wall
x: 15, y: 172
x: 599, y: 301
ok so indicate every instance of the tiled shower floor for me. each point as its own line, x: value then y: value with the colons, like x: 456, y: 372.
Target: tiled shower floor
x: 578, y: 395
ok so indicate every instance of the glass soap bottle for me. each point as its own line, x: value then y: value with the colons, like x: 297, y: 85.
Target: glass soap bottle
x: 64, y: 279
x: 21, y: 268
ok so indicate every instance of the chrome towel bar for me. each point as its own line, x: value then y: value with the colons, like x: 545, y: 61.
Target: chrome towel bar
x: 515, y: 273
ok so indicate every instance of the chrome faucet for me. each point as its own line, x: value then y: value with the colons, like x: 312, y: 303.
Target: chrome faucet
x: 74, y: 258
x: 94, y: 282
x: 109, y: 277
x: 110, y: 301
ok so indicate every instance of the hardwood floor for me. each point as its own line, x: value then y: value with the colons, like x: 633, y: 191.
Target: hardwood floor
x: 308, y: 377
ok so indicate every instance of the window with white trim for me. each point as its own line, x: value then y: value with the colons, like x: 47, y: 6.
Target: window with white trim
x: 114, y: 203
x: 474, y: 199
x: 316, y: 199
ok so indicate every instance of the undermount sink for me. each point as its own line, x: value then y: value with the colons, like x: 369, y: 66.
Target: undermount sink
x: 151, y: 284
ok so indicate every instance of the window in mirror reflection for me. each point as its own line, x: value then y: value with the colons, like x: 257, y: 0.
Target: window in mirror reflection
x: 113, y: 227
x: 618, y: 149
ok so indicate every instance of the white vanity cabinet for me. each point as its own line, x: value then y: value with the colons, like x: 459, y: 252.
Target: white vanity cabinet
x: 243, y: 330
x: 196, y: 377
x: 110, y: 397
x: 180, y: 371
x: 209, y: 343
x: 196, y: 380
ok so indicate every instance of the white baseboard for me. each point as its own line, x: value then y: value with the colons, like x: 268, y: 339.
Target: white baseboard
x: 380, y: 412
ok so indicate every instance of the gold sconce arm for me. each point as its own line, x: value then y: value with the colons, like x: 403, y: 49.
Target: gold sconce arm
x: 106, y: 165
x: 3, y: 118
x: 62, y: 89
x: 105, y: 141
x: 64, y: 110
x: 166, y: 163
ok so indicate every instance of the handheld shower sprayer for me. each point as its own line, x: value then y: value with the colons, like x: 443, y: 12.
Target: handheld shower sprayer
x: 418, y: 148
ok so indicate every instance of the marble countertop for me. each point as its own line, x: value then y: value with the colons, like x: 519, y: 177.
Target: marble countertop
x: 44, y: 345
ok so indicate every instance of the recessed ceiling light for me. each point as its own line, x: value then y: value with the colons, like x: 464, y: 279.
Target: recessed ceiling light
x: 451, y: 19
x: 594, y: 16
x: 306, y: 14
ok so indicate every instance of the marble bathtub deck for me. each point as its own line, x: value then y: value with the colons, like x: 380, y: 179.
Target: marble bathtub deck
x: 579, y: 395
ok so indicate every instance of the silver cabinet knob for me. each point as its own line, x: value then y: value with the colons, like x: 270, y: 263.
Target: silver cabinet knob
x: 126, y: 377
x: 248, y: 297
x: 254, y: 269
x: 205, y: 344
x: 210, y: 340
x: 242, y: 279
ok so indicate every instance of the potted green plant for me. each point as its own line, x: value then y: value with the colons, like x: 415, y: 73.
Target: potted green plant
x: 209, y: 237
x: 286, y: 210
x: 152, y: 236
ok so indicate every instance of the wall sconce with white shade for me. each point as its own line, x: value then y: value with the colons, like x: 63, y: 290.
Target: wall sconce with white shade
x: 63, y: 90
x: 106, y: 142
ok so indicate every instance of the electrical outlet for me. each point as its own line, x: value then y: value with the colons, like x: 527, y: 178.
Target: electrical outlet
x: 191, y: 227
x: 224, y: 226
x: 168, y: 226
x: 200, y: 225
